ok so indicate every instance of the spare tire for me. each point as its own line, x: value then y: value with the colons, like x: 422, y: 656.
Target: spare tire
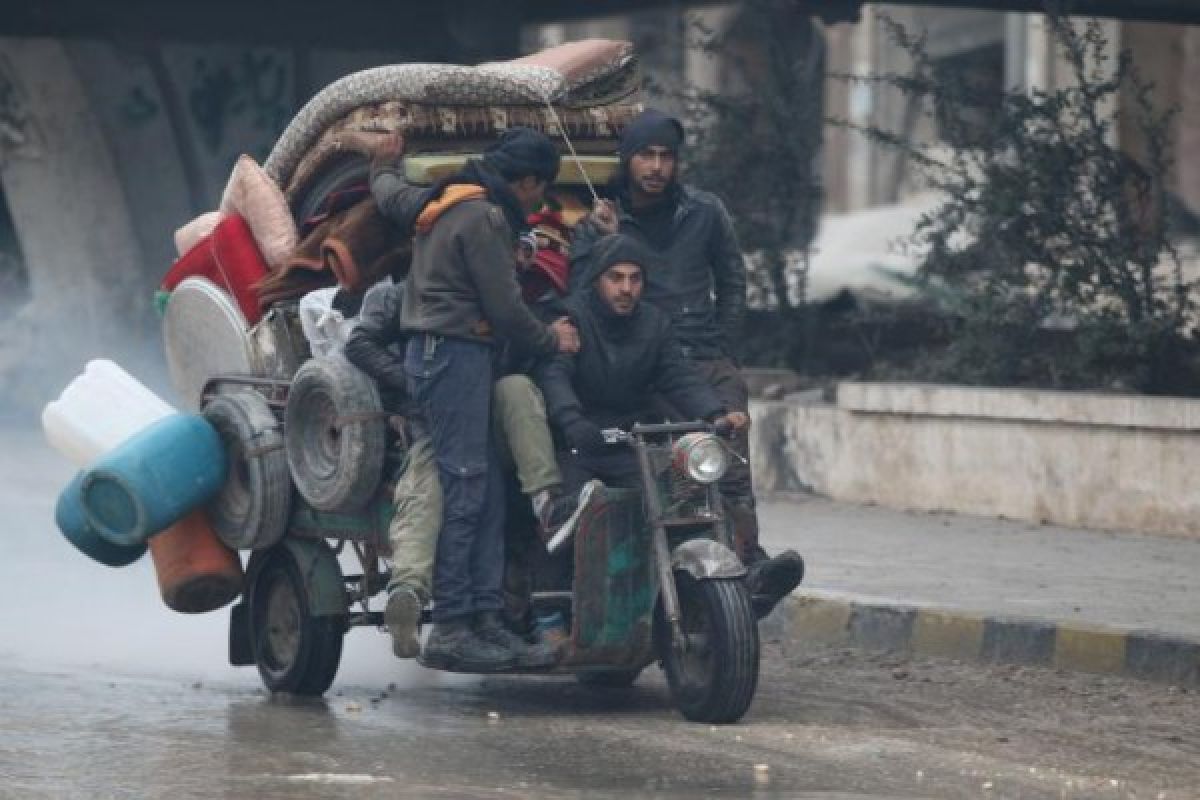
x: 251, y: 510
x: 334, y: 430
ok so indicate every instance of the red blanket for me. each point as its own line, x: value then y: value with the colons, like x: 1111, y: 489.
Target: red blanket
x: 229, y: 258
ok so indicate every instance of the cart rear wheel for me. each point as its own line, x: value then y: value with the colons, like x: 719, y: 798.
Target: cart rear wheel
x: 713, y: 677
x: 295, y: 650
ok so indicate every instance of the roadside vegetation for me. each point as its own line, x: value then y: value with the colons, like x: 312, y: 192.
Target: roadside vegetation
x: 1049, y: 261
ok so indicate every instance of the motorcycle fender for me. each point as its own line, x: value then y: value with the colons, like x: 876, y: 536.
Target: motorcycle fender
x: 704, y: 558
x: 323, y: 580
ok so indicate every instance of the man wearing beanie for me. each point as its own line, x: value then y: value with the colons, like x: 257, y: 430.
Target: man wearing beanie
x: 701, y: 284
x: 460, y: 299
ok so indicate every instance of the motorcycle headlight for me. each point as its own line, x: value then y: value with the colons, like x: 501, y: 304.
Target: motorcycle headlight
x: 701, y: 457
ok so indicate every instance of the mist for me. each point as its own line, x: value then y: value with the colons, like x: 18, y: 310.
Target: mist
x: 59, y: 610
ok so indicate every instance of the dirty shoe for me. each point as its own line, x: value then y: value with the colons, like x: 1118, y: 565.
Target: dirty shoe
x: 402, y: 615
x: 455, y: 647
x: 772, y: 579
x: 490, y: 627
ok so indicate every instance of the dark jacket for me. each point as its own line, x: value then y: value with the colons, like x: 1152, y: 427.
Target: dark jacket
x: 397, y: 199
x: 463, y: 281
x: 702, y: 282
x: 516, y: 360
x: 402, y: 203
x: 376, y: 344
x: 621, y: 364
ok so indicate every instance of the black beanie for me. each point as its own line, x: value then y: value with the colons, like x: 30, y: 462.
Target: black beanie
x: 521, y: 152
x: 617, y: 248
x: 651, y: 127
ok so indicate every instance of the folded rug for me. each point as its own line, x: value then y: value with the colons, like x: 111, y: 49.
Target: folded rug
x: 575, y: 75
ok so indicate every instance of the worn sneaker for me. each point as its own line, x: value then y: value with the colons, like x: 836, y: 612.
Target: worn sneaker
x: 454, y: 646
x: 490, y: 627
x: 564, y: 531
x: 772, y: 579
x: 552, y: 509
x: 402, y: 615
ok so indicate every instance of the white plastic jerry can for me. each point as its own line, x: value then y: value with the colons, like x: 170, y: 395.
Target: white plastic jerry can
x: 99, y: 409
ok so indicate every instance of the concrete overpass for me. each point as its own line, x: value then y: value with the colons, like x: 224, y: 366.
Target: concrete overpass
x: 450, y: 28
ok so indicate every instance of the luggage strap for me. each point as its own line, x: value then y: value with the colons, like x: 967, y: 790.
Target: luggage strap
x: 357, y: 417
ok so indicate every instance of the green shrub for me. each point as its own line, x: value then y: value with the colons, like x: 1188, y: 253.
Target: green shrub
x: 1052, y: 243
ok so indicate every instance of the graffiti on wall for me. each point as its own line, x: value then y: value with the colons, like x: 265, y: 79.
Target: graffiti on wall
x: 251, y: 90
x: 138, y: 107
x: 238, y: 103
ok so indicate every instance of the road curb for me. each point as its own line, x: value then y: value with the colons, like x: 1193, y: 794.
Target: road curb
x: 879, y: 624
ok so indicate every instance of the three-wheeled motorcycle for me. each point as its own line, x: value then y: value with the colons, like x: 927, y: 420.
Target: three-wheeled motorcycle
x: 654, y: 576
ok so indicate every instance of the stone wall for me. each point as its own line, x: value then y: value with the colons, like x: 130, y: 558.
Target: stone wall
x: 1076, y: 459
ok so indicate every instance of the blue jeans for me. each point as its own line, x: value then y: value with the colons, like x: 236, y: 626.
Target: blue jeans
x: 451, y: 380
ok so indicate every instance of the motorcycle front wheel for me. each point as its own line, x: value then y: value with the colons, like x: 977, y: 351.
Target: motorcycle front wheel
x: 713, y: 674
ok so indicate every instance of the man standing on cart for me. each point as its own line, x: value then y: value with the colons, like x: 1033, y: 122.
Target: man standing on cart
x: 461, y: 297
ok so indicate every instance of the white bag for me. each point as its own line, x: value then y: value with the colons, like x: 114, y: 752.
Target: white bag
x: 323, y: 325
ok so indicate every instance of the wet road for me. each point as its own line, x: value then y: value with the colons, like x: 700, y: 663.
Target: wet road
x: 829, y: 724
x: 105, y: 693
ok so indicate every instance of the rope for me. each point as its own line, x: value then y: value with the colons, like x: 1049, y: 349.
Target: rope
x: 570, y: 146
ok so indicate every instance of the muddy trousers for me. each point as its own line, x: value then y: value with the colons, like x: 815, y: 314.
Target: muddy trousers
x: 451, y: 380
x: 522, y: 439
x: 416, y: 519
x: 737, y: 487
x: 523, y: 435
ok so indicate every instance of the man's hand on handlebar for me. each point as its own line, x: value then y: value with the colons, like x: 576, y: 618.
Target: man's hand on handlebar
x: 584, y: 436
x: 566, y: 335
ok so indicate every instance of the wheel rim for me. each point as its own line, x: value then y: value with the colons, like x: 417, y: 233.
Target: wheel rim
x: 321, y: 462
x: 238, y: 495
x: 281, y: 625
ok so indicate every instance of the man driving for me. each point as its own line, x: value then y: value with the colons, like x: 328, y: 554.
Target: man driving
x: 627, y: 354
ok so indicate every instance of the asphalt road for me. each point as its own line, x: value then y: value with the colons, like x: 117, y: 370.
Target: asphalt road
x: 105, y: 693
x: 828, y: 724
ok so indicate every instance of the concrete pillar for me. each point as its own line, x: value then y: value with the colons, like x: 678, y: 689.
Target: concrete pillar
x: 1159, y: 54
x: 66, y: 198
x: 1187, y: 155
x: 1016, y: 51
x: 835, y: 150
x: 701, y: 69
x: 860, y: 111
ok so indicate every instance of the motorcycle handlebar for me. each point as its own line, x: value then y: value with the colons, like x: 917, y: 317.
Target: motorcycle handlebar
x: 618, y: 436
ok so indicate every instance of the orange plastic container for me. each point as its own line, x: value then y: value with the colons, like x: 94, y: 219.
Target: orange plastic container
x: 196, y: 571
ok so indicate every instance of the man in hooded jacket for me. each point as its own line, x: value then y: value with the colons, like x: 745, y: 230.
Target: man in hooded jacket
x: 628, y: 353
x: 701, y: 285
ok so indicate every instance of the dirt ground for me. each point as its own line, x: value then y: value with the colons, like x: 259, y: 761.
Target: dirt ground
x: 1019, y: 729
